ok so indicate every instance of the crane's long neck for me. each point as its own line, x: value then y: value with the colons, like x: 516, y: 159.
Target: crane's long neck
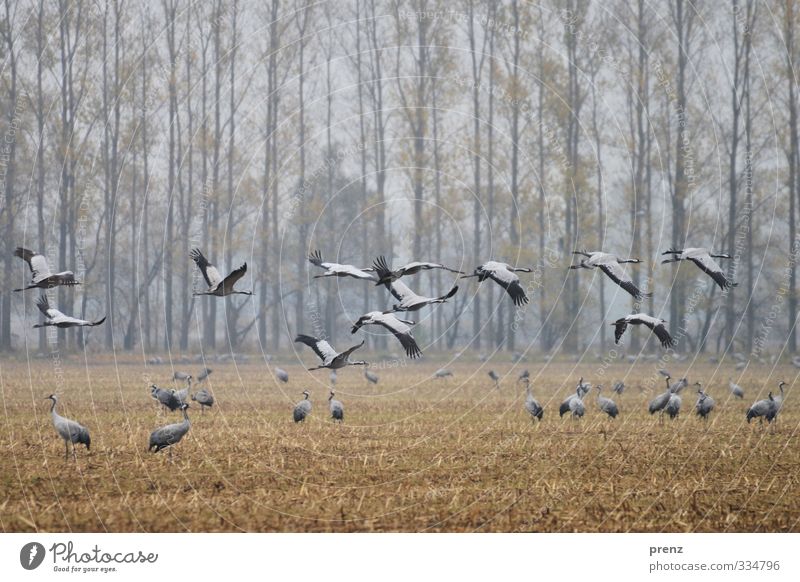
x: 186, y: 417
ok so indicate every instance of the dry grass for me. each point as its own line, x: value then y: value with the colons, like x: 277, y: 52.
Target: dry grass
x: 414, y: 455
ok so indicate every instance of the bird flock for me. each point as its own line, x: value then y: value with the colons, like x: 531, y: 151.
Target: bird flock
x: 382, y: 273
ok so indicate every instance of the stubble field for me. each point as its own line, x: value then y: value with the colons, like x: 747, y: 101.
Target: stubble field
x: 414, y: 453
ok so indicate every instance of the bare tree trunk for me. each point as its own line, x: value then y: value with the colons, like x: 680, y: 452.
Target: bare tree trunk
x: 40, y: 162
x: 477, y: 58
x: 792, y: 179
x: 170, y: 9
x: 302, y: 19
x: 10, y: 151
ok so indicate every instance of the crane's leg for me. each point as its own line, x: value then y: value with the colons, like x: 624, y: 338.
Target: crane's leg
x: 66, y: 450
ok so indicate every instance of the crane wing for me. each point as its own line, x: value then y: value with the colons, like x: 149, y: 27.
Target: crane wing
x: 50, y: 312
x: 510, y: 282
x: 616, y: 273
x: 315, y: 258
x: 402, y: 332
x: 710, y: 267
x: 37, y: 263
x: 619, y: 328
x: 234, y: 276
x: 663, y: 335
x: 321, y: 347
x: 399, y: 289
x: 210, y: 272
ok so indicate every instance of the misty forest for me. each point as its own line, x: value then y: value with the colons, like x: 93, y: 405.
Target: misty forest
x: 452, y: 132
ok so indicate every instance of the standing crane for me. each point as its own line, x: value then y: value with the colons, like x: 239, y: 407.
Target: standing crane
x: 330, y: 357
x: 576, y: 406
x: 611, y: 266
x: 337, y: 270
x: 704, y: 404
x: 673, y: 407
x: 531, y: 404
x: 736, y: 390
x: 166, y: 398
x: 388, y: 275
x: 69, y: 430
x: 504, y: 275
x: 302, y: 408
x: 761, y: 409
x: 493, y: 375
x: 606, y: 404
x: 41, y: 276
x: 217, y: 286
x: 400, y: 328
x: 282, y: 375
x: 54, y: 318
x: 656, y: 326
x: 203, y: 376
x: 171, y: 434
x: 371, y: 377
x: 658, y: 403
x: 336, y: 407
x: 204, y: 398
x: 182, y: 377
x: 619, y: 387
x: 704, y: 259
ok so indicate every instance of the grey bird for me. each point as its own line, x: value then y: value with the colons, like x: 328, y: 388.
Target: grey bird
x: 673, y: 407
x: 41, y: 276
x: 182, y: 376
x: 69, y: 430
x: 761, y: 409
x: 655, y: 324
x: 408, y: 300
x: 386, y: 274
x: 704, y: 404
x: 606, y: 404
x: 400, y: 328
x: 333, y: 377
x: 576, y: 406
x: 302, y: 408
x: 338, y: 270
x: 493, y: 375
x: 171, y: 434
x: 204, y: 398
x: 282, y: 375
x: 336, y: 407
x: 619, y: 387
x: 531, y: 404
x: 217, y: 286
x: 525, y: 375
x: 442, y: 373
x: 611, y: 266
x: 735, y: 389
x: 203, y: 376
x: 166, y: 398
x: 55, y: 318
x: 504, y: 275
x: 371, y: 378
x: 779, y: 399
x: 704, y: 259
x: 581, y: 390
x: 658, y: 403
x: 330, y: 357
x: 678, y: 386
